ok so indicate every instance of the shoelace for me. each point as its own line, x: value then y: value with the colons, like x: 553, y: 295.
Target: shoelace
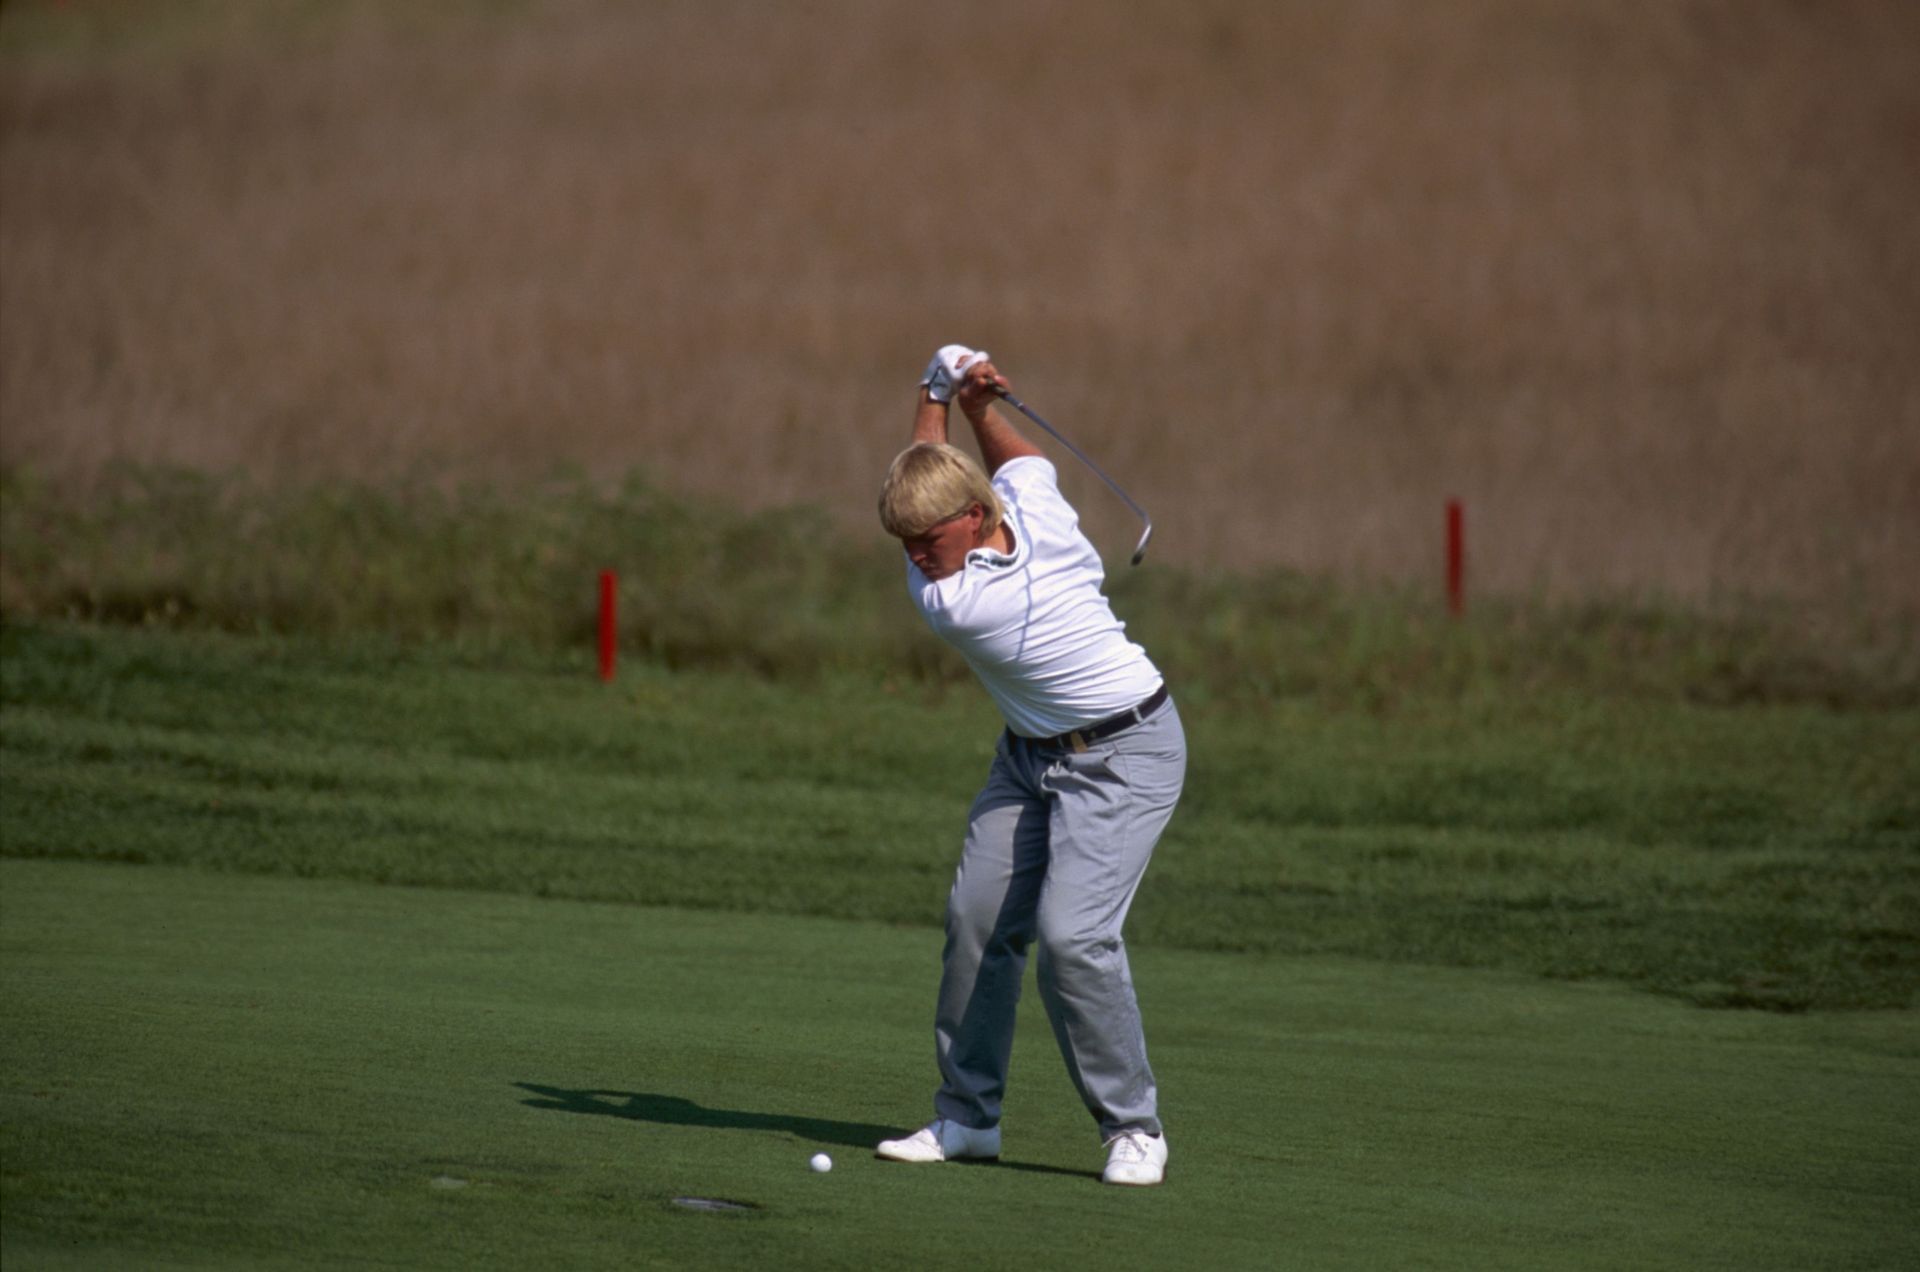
x: 1131, y: 1147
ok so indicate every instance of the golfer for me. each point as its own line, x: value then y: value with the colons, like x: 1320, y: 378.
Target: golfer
x: 1083, y: 781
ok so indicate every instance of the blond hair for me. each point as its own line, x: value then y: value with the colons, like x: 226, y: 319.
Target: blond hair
x: 930, y: 482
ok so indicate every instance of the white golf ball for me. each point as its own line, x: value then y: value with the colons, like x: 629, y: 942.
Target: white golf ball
x: 821, y: 1162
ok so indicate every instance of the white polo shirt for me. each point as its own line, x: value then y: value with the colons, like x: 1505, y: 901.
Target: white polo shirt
x: 1035, y: 626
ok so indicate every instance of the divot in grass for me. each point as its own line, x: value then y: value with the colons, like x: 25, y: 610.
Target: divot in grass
x: 714, y: 1205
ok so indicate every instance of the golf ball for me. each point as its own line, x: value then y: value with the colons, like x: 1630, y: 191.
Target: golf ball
x: 821, y: 1162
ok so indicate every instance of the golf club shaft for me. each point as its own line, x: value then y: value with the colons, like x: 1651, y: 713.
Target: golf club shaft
x: 1140, y: 549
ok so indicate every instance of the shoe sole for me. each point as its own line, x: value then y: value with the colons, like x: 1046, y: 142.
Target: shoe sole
x: 914, y: 1161
x: 1137, y: 1183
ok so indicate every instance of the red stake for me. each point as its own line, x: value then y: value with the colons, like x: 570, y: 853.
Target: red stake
x: 609, y: 623
x: 1456, y: 559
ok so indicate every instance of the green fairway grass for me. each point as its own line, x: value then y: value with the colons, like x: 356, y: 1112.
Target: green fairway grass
x: 253, y: 1072
x: 1763, y: 855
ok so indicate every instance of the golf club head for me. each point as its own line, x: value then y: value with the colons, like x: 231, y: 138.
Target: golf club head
x: 1140, y: 548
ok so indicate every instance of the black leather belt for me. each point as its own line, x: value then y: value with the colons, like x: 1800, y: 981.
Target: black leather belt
x: 1081, y: 739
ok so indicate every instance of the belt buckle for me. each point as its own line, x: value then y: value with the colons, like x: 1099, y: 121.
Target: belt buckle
x: 1078, y: 743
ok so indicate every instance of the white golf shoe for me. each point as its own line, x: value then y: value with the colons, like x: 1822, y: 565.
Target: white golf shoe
x: 941, y: 1141
x: 1136, y: 1158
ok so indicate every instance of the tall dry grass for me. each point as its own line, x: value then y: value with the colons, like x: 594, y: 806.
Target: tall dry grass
x: 1639, y: 280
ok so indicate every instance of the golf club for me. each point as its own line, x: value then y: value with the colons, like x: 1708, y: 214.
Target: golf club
x: 1140, y: 548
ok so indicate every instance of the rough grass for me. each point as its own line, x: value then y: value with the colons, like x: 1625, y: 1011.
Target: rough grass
x: 1637, y: 281
x: 1761, y: 855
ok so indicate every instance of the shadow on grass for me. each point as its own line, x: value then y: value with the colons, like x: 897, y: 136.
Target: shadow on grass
x: 672, y: 1110
x: 640, y: 1106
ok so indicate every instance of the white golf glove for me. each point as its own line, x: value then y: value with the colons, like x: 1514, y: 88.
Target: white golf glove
x: 948, y: 369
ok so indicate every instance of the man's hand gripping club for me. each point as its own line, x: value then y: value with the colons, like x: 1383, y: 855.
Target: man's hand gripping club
x: 947, y: 372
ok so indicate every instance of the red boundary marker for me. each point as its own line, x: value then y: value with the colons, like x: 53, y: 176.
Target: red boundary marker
x: 609, y: 622
x: 1456, y: 559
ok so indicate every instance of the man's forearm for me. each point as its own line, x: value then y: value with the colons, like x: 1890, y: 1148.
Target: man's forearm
x: 930, y: 420
x: 999, y: 441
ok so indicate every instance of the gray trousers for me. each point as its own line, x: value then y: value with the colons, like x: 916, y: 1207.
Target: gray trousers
x: 1056, y: 844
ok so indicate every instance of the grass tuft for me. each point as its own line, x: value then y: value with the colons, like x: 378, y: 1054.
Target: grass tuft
x: 787, y: 593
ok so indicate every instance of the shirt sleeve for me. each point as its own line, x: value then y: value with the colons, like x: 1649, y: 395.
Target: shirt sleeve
x: 1029, y: 477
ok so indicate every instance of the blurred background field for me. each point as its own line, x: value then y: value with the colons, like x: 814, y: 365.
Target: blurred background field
x: 1639, y: 282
